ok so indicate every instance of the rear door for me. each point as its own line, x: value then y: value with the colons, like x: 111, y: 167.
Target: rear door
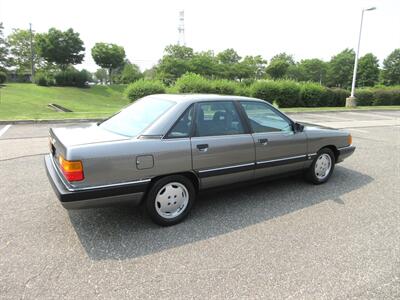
x: 278, y: 148
x: 222, y: 146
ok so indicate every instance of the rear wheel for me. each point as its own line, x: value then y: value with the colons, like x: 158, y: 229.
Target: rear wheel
x: 170, y: 200
x: 322, y: 167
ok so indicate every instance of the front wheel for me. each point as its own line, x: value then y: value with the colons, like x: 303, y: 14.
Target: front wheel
x: 322, y: 167
x: 170, y: 200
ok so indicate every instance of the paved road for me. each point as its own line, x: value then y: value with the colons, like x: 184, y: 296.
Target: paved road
x: 281, y: 239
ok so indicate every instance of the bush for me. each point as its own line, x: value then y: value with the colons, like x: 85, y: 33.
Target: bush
x: 243, y: 90
x: 43, y: 79
x: 143, y: 87
x: 364, y: 97
x: 312, y: 95
x: 223, y: 87
x: 72, y: 77
x: 266, y: 90
x: 285, y: 93
x: 383, y: 97
x: 396, y: 97
x: 193, y: 83
x: 3, y: 77
x: 339, y: 96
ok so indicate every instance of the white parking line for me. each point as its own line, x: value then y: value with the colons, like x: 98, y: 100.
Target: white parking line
x: 4, y: 129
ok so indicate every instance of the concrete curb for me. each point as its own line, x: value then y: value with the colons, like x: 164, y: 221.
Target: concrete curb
x: 341, y: 110
x: 14, y: 122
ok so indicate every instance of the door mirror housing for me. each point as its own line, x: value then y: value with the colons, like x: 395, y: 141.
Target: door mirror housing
x: 297, y: 127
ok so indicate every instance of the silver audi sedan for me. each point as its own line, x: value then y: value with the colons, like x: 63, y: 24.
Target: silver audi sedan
x: 163, y: 149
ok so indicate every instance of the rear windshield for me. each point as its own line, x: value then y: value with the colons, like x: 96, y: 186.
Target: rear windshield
x: 132, y: 120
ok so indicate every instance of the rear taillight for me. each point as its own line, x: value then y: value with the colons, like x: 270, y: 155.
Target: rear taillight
x: 72, y: 170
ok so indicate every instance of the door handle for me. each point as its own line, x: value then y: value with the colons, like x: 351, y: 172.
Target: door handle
x: 202, y: 147
x: 263, y: 142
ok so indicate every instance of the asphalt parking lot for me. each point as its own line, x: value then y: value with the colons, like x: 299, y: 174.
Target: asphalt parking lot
x: 275, y: 240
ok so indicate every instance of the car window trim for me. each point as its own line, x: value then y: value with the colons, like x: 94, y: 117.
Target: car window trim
x: 286, y: 118
x: 243, y: 122
x: 166, y: 137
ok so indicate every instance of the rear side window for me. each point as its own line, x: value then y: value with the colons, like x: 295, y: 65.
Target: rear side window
x: 132, y: 120
x: 217, y: 118
x: 264, y: 119
x: 183, y: 127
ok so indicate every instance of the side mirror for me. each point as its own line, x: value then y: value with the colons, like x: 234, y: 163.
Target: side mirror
x: 298, y: 127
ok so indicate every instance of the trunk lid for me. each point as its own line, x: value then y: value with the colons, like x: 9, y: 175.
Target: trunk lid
x: 63, y: 138
x: 75, y: 136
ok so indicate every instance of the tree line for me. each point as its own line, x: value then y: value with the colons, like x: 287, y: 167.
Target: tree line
x: 55, y: 53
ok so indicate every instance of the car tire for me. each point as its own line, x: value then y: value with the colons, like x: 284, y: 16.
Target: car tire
x: 322, y: 167
x: 170, y: 200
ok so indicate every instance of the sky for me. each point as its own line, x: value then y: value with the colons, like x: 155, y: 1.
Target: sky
x: 305, y: 29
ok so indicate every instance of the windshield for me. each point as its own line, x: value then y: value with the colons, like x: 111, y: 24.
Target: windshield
x: 132, y: 120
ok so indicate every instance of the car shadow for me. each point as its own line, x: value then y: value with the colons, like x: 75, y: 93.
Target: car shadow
x: 125, y: 232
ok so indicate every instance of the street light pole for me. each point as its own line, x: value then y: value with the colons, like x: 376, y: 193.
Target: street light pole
x: 32, y: 58
x: 352, y: 101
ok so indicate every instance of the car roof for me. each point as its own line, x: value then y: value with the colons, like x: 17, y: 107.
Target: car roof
x: 179, y: 98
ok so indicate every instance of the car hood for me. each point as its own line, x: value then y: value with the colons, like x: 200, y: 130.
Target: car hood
x: 74, y: 136
x: 311, y: 126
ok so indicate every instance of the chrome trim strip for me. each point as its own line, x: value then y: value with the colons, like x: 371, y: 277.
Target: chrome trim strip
x: 69, y: 188
x: 110, y: 185
x: 280, y: 159
x: 349, y: 146
x: 227, y: 168
x: 312, y: 154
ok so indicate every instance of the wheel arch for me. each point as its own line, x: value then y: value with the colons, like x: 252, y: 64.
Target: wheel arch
x: 189, y: 175
x: 334, y: 150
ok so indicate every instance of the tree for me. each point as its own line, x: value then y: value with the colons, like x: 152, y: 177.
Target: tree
x: 391, y: 68
x: 252, y: 67
x: 277, y: 69
x: 285, y: 57
x: 295, y: 72
x: 63, y: 48
x: 150, y: 73
x: 130, y: 73
x: 101, y: 75
x: 312, y: 70
x: 279, y: 65
x: 108, y: 56
x: 4, y: 60
x: 340, y: 69
x: 203, y: 63
x: 20, y: 49
x: 228, y: 64
x: 174, y: 63
x: 368, y: 70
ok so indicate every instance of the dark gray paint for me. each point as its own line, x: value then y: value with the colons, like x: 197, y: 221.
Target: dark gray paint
x: 109, y: 158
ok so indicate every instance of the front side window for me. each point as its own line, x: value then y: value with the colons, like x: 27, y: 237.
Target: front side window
x: 183, y: 127
x: 132, y: 120
x: 264, y: 119
x: 217, y: 118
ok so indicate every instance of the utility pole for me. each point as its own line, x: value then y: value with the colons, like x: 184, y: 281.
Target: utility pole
x: 32, y: 54
x: 352, y: 101
x: 181, y: 29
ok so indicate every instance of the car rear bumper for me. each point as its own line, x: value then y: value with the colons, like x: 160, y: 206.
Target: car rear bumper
x: 345, y: 152
x: 131, y: 193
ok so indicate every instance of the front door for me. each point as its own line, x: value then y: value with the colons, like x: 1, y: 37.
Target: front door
x: 278, y: 148
x: 222, y: 149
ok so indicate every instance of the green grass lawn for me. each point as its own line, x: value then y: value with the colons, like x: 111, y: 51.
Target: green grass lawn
x: 22, y: 101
